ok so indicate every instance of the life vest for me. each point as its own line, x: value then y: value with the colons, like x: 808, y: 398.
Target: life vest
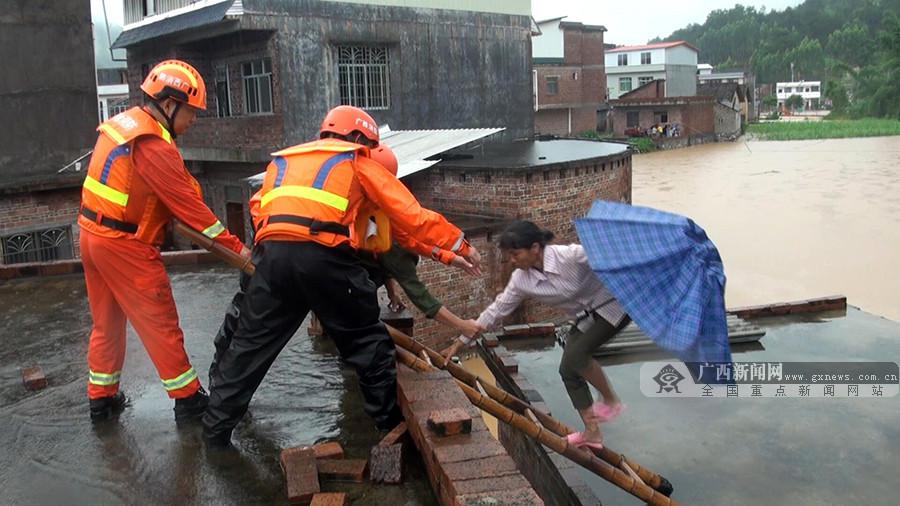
x: 372, y: 231
x: 306, y: 192
x: 113, y: 202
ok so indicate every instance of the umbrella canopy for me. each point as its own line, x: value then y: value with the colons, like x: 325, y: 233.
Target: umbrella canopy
x: 665, y: 272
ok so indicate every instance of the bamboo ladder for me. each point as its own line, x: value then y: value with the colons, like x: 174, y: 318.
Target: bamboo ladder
x: 608, y: 464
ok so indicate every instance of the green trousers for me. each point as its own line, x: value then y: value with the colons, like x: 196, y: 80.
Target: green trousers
x: 579, y: 350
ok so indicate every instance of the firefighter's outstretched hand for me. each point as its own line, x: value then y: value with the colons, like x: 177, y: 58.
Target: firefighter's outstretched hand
x: 461, y: 263
x: 474, y: 258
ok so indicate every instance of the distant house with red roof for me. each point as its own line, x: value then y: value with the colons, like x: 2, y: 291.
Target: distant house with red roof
x: 630, y: 67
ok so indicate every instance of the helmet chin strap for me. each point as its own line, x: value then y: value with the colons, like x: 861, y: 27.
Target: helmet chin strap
x: 170, y: 119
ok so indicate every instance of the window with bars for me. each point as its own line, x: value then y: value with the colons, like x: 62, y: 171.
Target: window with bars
x: 223, y: 92
x: 552, y: 85
x: 257, y: 77
x: 38, y: 246
x: 624, y: 84
x: 644, y: 80
x: 364, y: 77
x: 117, y: 106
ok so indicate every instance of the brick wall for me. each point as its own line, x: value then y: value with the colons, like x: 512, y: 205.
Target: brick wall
x: 696, y: 118
x: 551, y: 196
x: 24, y: 212
x: 240, y: 130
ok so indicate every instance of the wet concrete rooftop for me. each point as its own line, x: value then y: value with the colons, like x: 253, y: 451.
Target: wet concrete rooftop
x: 523, y: 154
x: 51, y: 454
x: 797, y: 451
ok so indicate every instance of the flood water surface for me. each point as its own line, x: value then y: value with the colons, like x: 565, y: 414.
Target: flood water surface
x: 51, y: 454
x: 767, y: 451
x: 792, y: 220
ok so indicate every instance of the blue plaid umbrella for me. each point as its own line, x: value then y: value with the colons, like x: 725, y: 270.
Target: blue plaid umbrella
x: 666, y: 274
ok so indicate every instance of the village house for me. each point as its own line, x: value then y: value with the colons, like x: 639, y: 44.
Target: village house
x: 674, y: 63
x: 569, y: 78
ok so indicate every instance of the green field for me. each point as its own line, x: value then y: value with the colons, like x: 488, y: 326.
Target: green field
x: 826, y: 129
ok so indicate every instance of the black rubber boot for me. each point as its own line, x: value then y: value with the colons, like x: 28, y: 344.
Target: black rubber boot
x: 191, y: 408
x: 104, y: 408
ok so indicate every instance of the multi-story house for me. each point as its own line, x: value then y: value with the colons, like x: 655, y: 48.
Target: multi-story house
x: 569, y: 80
x: 273, y: 68
x: 630, y: 67
x: 810, y: 91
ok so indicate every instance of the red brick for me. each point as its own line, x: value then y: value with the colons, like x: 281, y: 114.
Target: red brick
x: 477, y: 445
x: 386, y: 464
x: 300, y: 475
x: 524, y: 496
x: 449, y: 422
x: 516, y: 330
x: 34, y: 378
x: 395, y: 436
x: 492, y: 484
x: 541, y: 329
x: 500, y: 465
x: 329, y: 450
x: 329, y: 499
x: 490, y: 341
x: 509, y: 363
x: 342, y: 470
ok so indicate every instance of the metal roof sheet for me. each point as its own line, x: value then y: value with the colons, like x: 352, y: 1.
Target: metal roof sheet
x: 413, y: 147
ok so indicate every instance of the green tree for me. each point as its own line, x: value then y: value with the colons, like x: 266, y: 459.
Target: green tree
x: 851, y: 45
x: 794, y: 102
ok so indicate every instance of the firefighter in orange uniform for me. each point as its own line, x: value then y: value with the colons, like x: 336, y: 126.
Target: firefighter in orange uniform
x: 305, y: 260
x: 136, y: 183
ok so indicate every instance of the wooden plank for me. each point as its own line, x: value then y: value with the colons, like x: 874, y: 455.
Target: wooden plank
x: 394, y: 436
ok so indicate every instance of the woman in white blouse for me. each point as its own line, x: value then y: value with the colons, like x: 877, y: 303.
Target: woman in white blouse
x: 560, y: 276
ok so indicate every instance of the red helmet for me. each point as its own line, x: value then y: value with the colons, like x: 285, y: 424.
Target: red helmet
x: 346, y: 119
x: 177, y: 80
x: 386, y: 157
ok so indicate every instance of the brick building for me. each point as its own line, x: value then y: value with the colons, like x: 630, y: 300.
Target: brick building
x: 636, y: 112
x: 48, y: 102
x: 569, y: 78
x: 274, y: 67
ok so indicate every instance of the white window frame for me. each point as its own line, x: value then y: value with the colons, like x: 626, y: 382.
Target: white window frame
x: 622, y: 81
x: 622, y: 59
x: 364, y: 77
x: 644, y: 80
x: 254, y: 105
x: 649, y: 56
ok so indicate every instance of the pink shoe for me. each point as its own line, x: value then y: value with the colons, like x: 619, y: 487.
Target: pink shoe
x: 607, y: 413
x: 577, y: 439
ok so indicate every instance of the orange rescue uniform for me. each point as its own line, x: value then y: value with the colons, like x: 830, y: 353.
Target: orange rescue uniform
x: 136, y: 183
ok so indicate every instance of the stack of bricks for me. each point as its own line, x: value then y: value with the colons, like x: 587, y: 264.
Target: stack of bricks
x: 466, y: 465
x: 304, y: 468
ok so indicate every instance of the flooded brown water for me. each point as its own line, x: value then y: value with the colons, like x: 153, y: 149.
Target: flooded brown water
x: 792, y: 219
